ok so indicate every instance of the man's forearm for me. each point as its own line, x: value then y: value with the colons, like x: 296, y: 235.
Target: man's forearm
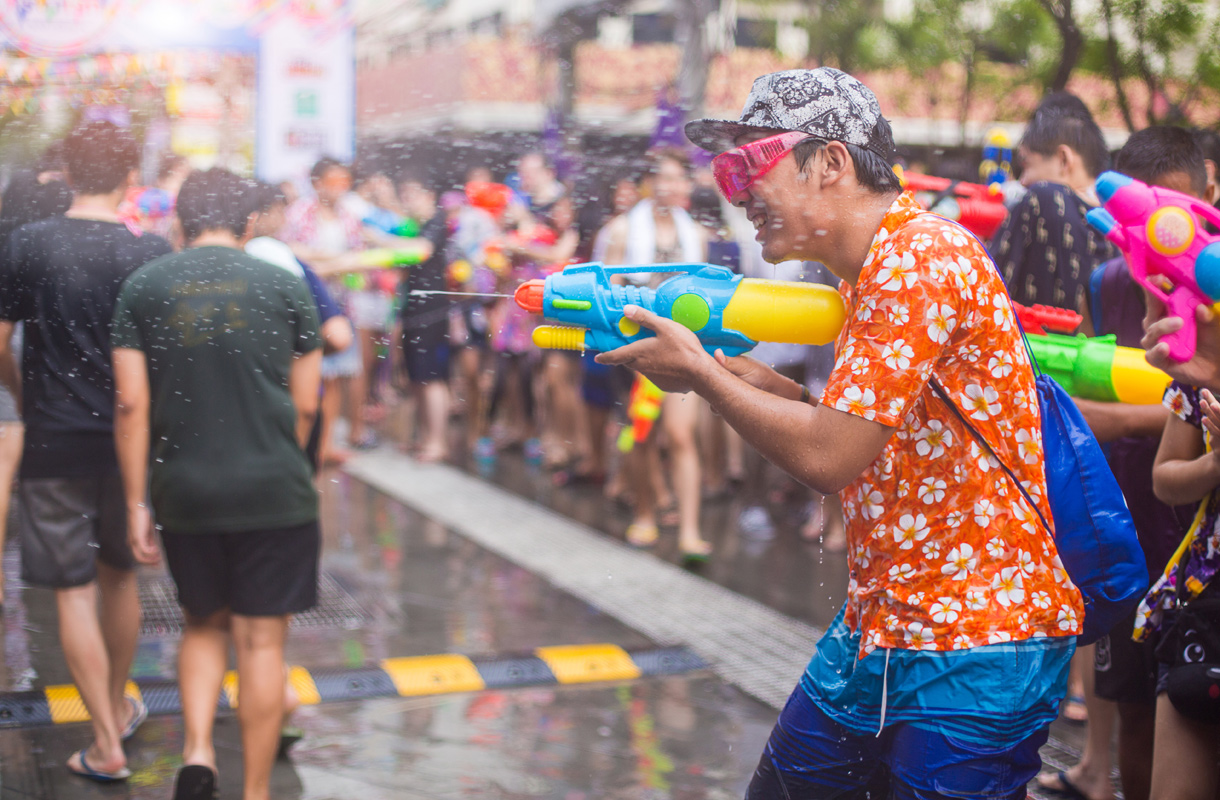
x: 131, y: 438
x: 781, y: 427
x: 1110, y: 421
x: 10, y: 376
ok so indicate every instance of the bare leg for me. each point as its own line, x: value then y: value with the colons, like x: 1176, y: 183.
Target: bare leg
x: 1091, y: 775
x: 680, y: 417
x: 356, y: 392
x: 1184, y: 757
x: 259, y: 642
x: 434, y: 408
x: 638, y: 467
x: 201, y: 670
x: 1136, y: 739
x: 332, y: 402
x: 11, y: 436
x: 120, y: 620
x: 85, y: 650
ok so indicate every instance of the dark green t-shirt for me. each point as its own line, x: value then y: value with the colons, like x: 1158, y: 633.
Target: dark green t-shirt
x: 219, y: 330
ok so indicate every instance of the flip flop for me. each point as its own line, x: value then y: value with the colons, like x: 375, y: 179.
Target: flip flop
x: 289, y: 735
x: 641, y: 535
x: 92, y: 774
x: 195, y: 782
x: 1065, y: 788
x: 137, y: 719
x: 1076, y: 701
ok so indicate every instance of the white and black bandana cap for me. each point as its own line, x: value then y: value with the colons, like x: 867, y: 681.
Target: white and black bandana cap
x: 824, y: 102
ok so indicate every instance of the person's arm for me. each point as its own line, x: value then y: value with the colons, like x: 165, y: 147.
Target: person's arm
x: 10, y: 375
x: 558, y: 253
x: 1110, y: 421
x: 131, y: 439
x: 616, y: 240
x: 304, y: 381
x: 822, y: 448
x: 1183, y: 473
x: 337, y: 334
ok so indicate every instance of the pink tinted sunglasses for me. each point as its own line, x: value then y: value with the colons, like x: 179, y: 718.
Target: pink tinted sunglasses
x: 736, y: 169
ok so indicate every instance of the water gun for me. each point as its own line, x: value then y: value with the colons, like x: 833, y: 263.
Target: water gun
x: 387, y: 257
x: 979, y: 209
x: 1098, y: 369
x: 1168, y: 251
x: 1038, y: 320
x: 996, y: 167
x: 378, y: 258
x: 643, y: 409
x: 725, y: 310
x: 1091, y: 369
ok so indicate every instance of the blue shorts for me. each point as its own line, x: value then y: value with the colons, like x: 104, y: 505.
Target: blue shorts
x: 811, y: 757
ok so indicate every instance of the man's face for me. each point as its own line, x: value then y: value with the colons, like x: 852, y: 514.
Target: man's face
x: 533, y: 172
x: 779, y: 203
x: 418, y: 200
x: 1036, y: 167
x: 670, y: 185
x: 626, y: 195
x: 333, y: 184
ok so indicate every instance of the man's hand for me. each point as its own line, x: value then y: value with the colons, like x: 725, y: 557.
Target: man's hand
x: 673, y: 359
x: 1203, y: 369
x: 140, y: 536
x: 759, y: 375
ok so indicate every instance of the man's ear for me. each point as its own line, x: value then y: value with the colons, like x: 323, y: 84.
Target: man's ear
x: 1068, y: 160
x: 836, y: 163
x: 1212, y: 193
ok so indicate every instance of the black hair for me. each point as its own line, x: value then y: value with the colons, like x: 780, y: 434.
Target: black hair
x: 1209, y: 142
x: 324, y: 165
x: 1157, y: 151
x: 872, y: 171
x: 365, y: 168
x: 262, y: 196
x: 1063, y: 119
x: 52, y: 159
x: 26, y: 200
x: 99, y: 156
x: 169, y: 164
x: 214, y: 199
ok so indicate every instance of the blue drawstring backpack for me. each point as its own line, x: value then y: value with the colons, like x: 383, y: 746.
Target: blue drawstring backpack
x: 1094, y: 532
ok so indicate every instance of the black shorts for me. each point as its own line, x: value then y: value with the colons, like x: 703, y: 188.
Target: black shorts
x: 67, y: 525
x: 1124, y: 671
x: 426, y: 353
x: 265, y: 573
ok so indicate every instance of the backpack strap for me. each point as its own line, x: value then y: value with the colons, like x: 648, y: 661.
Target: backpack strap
x: 943, y: 395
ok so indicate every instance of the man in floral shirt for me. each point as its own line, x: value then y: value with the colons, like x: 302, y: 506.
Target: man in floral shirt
x: 946, y: 666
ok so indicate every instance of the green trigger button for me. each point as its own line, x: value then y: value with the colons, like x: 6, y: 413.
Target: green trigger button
x: 691, y: 311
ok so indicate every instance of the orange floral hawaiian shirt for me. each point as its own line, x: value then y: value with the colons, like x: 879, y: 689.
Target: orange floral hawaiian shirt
x: 945, y: 552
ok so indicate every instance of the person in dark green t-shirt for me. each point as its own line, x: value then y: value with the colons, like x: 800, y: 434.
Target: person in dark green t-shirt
x: 217, y: 363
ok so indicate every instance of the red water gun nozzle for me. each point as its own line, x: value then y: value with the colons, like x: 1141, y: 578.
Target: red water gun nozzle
x: 529, y: 296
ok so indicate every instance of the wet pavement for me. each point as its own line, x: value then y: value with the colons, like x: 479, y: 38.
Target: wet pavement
x: 416, y: 588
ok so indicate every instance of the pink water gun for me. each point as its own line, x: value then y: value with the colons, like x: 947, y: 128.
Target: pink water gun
x: 1167, y: 248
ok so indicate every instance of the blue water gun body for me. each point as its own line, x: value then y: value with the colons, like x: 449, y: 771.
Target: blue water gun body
x: 726, y: 311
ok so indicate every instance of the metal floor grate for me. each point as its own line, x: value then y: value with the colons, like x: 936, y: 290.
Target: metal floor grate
x: 336, y: 609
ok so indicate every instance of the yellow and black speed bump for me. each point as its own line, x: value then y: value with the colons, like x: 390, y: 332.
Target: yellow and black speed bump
x: 394, y: 677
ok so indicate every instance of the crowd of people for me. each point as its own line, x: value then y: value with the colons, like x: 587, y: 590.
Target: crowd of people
x: 185, y: 359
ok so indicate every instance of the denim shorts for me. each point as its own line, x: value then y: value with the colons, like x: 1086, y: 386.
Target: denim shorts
x: 811, y: 757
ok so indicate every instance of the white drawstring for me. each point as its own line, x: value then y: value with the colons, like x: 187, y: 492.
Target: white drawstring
x: 885, y: 678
